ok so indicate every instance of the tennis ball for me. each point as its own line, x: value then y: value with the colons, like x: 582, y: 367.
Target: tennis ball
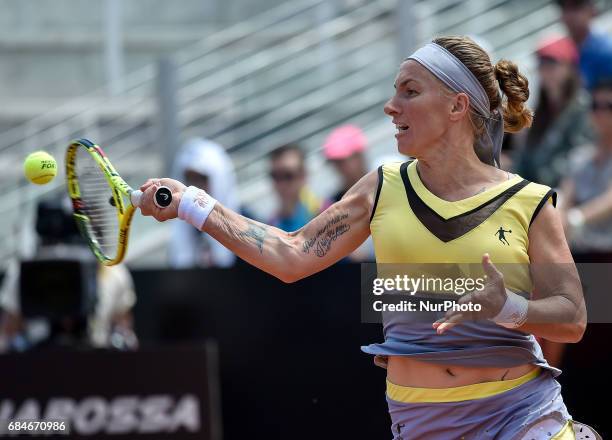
x: 40, y: 167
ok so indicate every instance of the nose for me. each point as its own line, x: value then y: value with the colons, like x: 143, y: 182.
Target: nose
x: 390, y: 108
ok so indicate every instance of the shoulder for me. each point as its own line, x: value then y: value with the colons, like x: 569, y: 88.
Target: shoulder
x: 547, y: 238
x: 392, y: 169
x: 529, y: 199
x: 365, y: 188
x: 532, y: 192
x: 383, y: 177
x: 392, y: 172
x: 545, y: 226
x: 365, y: 193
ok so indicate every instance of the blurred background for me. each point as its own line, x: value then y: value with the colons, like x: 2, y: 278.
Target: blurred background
x: 275, y: 107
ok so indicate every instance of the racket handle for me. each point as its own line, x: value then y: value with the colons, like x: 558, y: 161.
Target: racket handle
x: 135, y: 197
x: 162, y: 198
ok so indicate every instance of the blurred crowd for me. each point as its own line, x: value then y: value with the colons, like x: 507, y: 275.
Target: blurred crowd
x: 568, y: 147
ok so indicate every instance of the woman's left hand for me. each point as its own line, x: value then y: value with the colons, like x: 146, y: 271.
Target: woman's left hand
x: 491, y: 299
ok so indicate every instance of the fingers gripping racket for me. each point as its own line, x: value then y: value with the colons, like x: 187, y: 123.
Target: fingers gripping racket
x: 103, y: 204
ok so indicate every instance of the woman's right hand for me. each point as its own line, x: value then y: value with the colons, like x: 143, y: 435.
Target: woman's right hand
x: 148, y: 206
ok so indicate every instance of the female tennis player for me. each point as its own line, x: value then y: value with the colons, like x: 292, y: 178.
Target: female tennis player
x: 455, y: 378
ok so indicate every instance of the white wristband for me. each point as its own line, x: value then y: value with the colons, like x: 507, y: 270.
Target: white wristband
x: 514, y: 312
x: 195, y: 207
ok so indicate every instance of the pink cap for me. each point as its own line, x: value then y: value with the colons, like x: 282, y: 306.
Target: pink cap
x: 558, y: 48
x: 344, y: 141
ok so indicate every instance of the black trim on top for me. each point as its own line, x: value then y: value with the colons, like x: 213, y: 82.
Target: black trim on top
x: 454, y: 227
x: 551, y: 193
x: 378, y: 189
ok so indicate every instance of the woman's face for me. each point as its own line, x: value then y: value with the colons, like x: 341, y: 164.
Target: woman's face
x: 601, y: 113
x: 419, y: 108
x: 553, y: 75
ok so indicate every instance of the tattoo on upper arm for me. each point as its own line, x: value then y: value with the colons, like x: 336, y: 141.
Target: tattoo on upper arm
x: 322, y: 241
x: 256, y: 232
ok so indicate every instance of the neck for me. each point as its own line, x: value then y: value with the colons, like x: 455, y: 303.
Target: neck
x: 455, y: 172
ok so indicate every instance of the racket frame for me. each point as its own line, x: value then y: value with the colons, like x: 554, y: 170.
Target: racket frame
x: 119, y: 188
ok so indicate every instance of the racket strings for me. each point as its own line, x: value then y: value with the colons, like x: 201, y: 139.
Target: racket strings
x: 96, y: 193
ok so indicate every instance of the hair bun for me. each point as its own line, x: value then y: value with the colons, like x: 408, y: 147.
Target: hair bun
x: 515, y: 87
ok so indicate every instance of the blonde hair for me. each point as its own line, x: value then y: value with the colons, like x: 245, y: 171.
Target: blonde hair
x: 504, y: 75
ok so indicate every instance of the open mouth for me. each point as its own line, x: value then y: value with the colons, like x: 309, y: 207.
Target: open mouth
x: 401, y: 128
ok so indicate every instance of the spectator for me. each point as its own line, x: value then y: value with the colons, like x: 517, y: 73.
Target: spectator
x: 297, y: 204
x: 108, y: 324
x: 595, y: 48
x: 561, y: 117
x: 587, y: 192
x: 344, y: 148
x: 204, y: 164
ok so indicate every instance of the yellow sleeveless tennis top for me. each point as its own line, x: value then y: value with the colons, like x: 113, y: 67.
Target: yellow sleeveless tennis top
x: 409, y: 224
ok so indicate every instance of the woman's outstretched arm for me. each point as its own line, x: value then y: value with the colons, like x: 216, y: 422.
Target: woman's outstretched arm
x: 289, y: 256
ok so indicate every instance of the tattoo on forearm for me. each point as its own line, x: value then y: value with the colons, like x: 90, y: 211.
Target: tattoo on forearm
x: 255, y: 232
x: 322, y: 241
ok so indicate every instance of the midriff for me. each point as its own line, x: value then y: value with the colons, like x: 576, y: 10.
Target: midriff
x: 414, y: 373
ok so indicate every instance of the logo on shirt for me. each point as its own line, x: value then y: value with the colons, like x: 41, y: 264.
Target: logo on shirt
x: 399, y: 430
x: 501, y: 232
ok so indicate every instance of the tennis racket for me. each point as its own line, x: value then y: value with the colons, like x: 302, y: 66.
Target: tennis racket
x: 103, y: 204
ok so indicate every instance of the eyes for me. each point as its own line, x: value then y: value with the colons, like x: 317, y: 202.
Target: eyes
x: 407, y: 93
x: 406, y: 89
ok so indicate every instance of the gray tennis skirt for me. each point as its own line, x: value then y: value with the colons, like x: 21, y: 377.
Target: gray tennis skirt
x: 503, y: 416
